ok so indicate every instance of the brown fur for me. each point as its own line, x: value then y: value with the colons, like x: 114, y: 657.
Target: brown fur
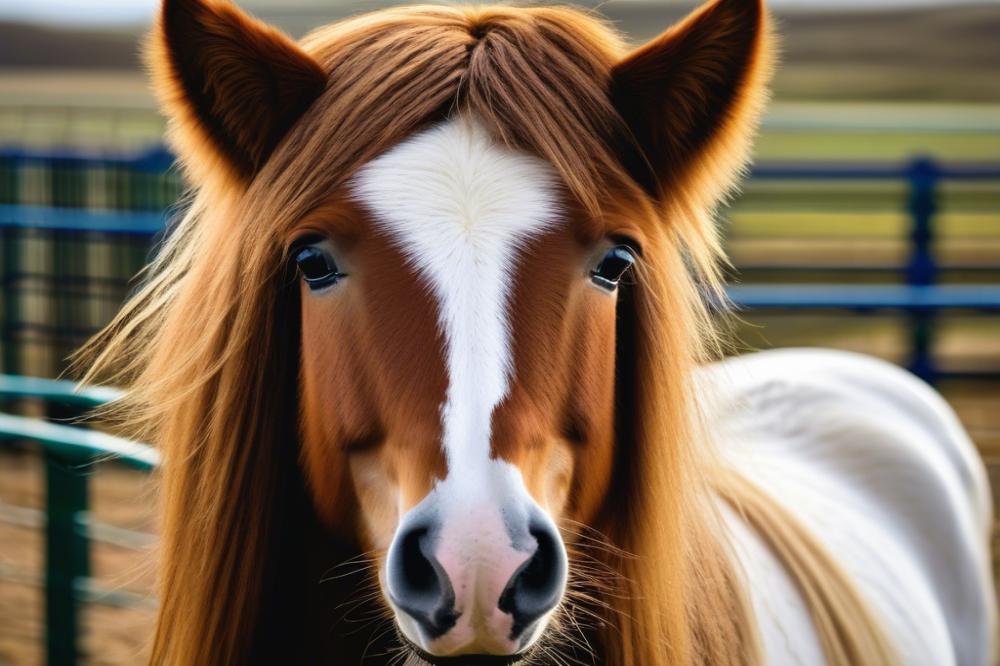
x: 232, y: 85
x: 228, y: 370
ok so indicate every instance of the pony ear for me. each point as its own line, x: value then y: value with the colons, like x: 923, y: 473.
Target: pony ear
x: 229, y: 83
x: 698, y: 86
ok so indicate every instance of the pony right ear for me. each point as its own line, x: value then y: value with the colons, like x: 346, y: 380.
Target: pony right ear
x: 691, y: 97
x: 231, y: 85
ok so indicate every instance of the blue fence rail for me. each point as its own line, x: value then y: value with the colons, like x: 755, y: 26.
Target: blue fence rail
x: 921, y: 297
x: 74, y: 229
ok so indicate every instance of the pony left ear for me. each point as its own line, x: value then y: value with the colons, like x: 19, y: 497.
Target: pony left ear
x: 230, y: 84
x: 697, y: 87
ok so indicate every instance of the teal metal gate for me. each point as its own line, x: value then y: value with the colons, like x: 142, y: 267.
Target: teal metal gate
x: 69, y: 452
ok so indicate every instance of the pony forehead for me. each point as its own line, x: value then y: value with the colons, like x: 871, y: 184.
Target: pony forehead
x: 455, y: 183
x: 393, y: 73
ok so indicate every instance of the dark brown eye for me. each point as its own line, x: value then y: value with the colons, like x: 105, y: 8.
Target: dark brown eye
x: 317, y: 266
x: 613, y: 267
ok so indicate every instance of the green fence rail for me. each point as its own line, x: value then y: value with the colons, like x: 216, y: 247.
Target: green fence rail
x: 69, y: 452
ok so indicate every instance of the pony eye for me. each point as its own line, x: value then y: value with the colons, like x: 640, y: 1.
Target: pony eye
x: 613, y: 267
x: 317, y: 267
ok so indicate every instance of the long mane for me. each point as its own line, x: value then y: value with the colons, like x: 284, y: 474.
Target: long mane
x: 208, y: 348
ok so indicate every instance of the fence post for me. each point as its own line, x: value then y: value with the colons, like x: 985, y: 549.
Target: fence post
x: 922, y: 269
x: 10, y: 242
x: 67, y: 560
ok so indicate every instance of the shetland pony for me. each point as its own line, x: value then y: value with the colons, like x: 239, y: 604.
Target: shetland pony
x: 428, y: 362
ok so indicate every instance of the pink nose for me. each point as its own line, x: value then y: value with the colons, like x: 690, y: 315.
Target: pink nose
x: 475, y: 592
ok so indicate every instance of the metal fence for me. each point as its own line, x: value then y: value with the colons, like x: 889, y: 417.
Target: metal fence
x: 922, y: 287
x: 74, y: 230
x: 69, y: 452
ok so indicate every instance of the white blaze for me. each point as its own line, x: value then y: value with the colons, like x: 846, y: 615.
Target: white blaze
x: 459, y: 206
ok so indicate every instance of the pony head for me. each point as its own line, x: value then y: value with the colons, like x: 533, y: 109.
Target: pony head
x: 451, y: 263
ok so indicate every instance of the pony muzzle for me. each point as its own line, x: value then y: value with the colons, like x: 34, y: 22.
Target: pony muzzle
x: 480, y: 582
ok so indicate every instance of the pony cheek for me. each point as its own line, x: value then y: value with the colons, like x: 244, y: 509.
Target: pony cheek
x: 379, y: 499
x: 326, y: 476
x: 550, y: 480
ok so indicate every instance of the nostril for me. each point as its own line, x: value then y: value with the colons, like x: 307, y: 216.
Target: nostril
x: 537, y: 586
x: 538, y: 575
x: 418, y: 584
x: 418, y: 575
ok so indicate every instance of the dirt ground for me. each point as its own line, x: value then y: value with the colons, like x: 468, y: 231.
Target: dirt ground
x: 123, y: 498
x: 111, y: 635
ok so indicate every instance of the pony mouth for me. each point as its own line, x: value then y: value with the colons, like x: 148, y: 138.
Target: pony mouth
x: 463, y: 659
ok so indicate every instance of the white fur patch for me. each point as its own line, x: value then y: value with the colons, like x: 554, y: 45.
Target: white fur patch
x: 459, y: 207
x: 876, y: 465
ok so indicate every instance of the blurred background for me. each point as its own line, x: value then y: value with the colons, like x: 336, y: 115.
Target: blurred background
x: 871, y: 222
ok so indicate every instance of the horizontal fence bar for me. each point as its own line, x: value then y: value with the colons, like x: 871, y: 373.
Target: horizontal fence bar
x: 800, y: 171
x: 95, y: 530
x: 859, y: 268
x: 58, y: 390
x: 77, y: 445
x: 154, y: 160
x: 868, y: 297
x: 87, y: 590
x: 51, y: 218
